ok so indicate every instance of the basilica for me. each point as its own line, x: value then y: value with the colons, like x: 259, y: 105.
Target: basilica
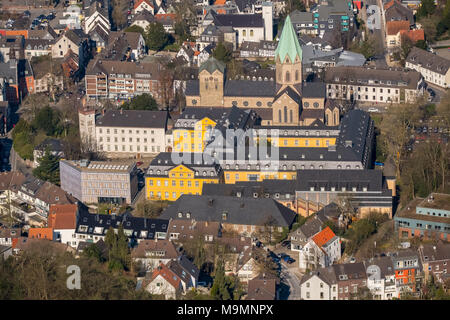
x: 287, y: 101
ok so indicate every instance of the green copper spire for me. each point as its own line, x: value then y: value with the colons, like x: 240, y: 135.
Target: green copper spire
x: 288, y: 44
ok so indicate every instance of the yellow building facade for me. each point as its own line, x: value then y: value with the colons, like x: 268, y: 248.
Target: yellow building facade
x: 233, y: 176
x: 178, y: 181
x: 192, y: 139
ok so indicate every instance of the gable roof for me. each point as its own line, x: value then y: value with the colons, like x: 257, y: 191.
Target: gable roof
x: 323, y: 237
x: 263, y: 287
x: 168, y: 275
x: 428, y: 60
x: 394, y: 27
x: 62, y: 216
x: 288, y: 44
x: 139, y: 2
x: 133, y: 119
x: 239, y: 20
x: 40, y: 233
x: 166, y: 246
x: 231, y: 210
x: 413, y: 35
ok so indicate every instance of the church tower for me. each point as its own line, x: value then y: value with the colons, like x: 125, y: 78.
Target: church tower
x: 211, y: 81
x: 288, y: 58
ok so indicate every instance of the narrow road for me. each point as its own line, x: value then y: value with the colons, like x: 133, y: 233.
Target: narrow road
x: 289, y: 277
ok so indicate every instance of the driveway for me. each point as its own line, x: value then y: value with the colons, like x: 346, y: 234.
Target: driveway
x: 289, y: 277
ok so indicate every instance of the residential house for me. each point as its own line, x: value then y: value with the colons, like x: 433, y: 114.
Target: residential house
x: 245, y: 216
x: 41, y: 233
x: 149, y: 254
x: 53, y: 146
x: 366, y: 84
x: 163, y: 281
x: 71, y: 17
x: 37, y: 47
x: 47, y: 74
x: 9, y: 78
x: 381, y: 278
x: 143, y: 19
x: 262, y: 287
x: 408, y: 271
x: 74, y: 40
x: 93, y: 227
x: 186, y: 271
x: 320, y: 284
x: 167, y: 20
x: 243, y: 264
x: 11, y: 47
x: 394, y: 10
x: 124, y: 46
x: 188, y: 53
x: 393, y: 34
x: 262, y: 49
x: 99, y: 181
x: 98, y: 38
x: 189, y: 230
x: 62, y: 219
x: 350, y: 277
x: 433, y: 68
x: 427, y: 218
x: 7, y: 235
x: 97, y: 15
x: 435, y: 260
x: 142, y: 6
x: 249, y: 27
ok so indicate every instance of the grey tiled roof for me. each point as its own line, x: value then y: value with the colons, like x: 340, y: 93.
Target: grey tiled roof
x: 250, y: 88
x: 238, y: 211
x: 239, y: 20
x: 428, y: 60
x: 133, y: 118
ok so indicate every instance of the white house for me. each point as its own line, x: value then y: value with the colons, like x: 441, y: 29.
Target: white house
x: 97, y: 15
x: 72, y: 17
x: 141, y: 5
x: 164, y: 282
x: 381, y: 278
x: 319, y: 285
x: 435, y: 69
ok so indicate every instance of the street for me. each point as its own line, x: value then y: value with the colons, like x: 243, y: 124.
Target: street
x: 290, y: 278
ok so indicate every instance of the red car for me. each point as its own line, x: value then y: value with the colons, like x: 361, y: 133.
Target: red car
x: 139, y: 163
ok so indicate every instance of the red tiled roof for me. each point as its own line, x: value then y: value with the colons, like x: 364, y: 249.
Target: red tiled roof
x: 220, y: 2
x: 323, y: 237
x: 139, y: 2
x: 394, y: 27
x: 167, y: 274
x: 40, y: 233
x: 414, y: 35
x: 389, y: 4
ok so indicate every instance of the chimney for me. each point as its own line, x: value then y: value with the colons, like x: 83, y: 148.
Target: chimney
x: 210, y: 202
x: 103, y: 112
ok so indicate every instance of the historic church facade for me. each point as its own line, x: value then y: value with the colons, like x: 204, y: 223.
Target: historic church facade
x: 287, y: 101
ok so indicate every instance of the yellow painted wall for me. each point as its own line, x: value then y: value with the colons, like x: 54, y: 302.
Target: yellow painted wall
x: 302, y: 142
x: 185, y: 139
x: 180, y: 179
x: 230, y: 175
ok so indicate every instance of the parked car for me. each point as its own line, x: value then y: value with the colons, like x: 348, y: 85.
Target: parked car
x: 285, y: 243
x: 139, y: 163
x: 352, y: 260
x: 290, y: 260
x: 373, y: 110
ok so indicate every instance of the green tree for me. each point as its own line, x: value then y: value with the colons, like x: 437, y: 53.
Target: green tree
x: 222, y: 53
x: 118, y: 249
x: 135, y: 28
x: 143, y: 101
x: 223, y: 286
x: 48, y: 168
x: 422, y: 44
x: 426, y: 9
x: 47, y: 121
x: 156, y: 37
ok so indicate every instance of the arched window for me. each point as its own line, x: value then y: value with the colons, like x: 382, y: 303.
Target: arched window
x: 279, y: 115
x: 335, y: 120
x: 297, y: 78
x: 288, y: 76
x: 326, y: 118
x: 285, y: 114
x: 290, y: 115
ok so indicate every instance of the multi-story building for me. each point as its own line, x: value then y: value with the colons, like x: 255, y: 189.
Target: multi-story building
x: 350, y: 278
x: 93, y: 227
x: 435, y: 259
x: 327, y: 16
x: 126, y: 133
x: 193, y: 130
x: 320, y: 284
x: 168, y: 179
x: 97, y: 15
x: 263, y: 217
x: 408, y: 271
x: 122, y: 79
x: 434, y: 68
x: 425, y: 218
x: 381, y: 278
x: 366, y: 84
x: 366, y: 190
x: 74, y: 40
x: 99, y: 181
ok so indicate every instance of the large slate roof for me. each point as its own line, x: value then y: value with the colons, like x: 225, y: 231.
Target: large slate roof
x: 239, y: 211
x: 239, y: 20
x: 133, y: 118
x: 250, y: 88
